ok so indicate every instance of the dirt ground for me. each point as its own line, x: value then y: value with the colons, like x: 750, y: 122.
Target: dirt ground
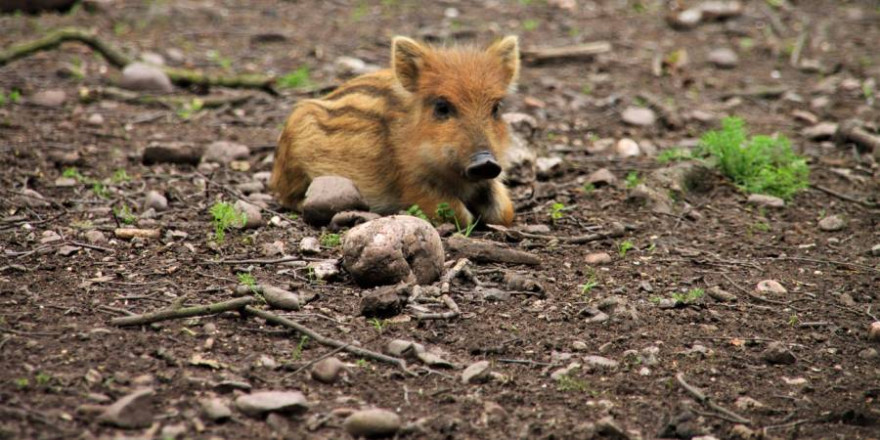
x: 60, y: 356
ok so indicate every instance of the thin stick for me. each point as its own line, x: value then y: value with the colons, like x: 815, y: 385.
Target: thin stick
x: 185, y: 312
x: 91, y: 246
x: 705, y: 400
x: 113, y: 55
x: 269, y: 261
x: 447, y: 279
x: 580, y: 51
x: 323, y: 340
x: 845, y: 197
x: 824, y: 261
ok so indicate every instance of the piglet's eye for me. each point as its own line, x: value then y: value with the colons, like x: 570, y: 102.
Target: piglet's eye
x: 443, y: 109
x: 496, y: 109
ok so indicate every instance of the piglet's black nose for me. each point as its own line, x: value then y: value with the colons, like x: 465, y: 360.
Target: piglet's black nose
x: 483, y: 166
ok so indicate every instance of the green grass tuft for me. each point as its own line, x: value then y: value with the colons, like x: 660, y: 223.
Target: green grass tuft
x: 296, y: 79
x: 223, y: 217
x: 757, y: 165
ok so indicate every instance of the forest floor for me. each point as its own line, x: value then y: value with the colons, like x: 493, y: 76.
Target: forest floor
x: 797, y: 363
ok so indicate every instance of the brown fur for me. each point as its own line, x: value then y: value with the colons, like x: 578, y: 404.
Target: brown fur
x: 382, y: 131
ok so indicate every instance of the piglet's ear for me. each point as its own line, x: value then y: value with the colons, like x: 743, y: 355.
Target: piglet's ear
x: 407, y: 59
x: 507, y: 51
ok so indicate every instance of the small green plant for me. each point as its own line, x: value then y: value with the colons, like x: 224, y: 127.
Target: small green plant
x: 633, y: 180
x: 868, y: 92
x: 247, y: 279
x: 587, y: 287
x: 415, y: 211
x: 100, y: 190
x: 674, y: 155
x: 14, y: 96
x: 224, y: 62
x: 757, y: 165
x: 362, y: 363
x: 120, y: 176
x: 121, y: 28
x: 624, y: 247
x: 530, y: 24
x: 557, y: 211
x: 297, y: 79
x: 378, y: 324
x: 73, y: 173
x: 446, y: 214
x: 360, y: 11
x: 188, y: 109
x: 689, y: 297
x: 310, y: 274
x: 587, y: 89
x: 43, y: 378
x: 125, y: 215
x: 330, y: 240
x: 223, y: 217
x: 793, y: 320
x: 22, y: 383
x: 589, y: 188
x: 566, y: 383
x: 296, y: 354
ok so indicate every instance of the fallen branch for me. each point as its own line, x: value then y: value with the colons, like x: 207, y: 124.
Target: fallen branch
x: 323, y: 340
x: 490, y: 252
x: 452, y: 274
x: 852, y: 131
x: 705, y: 400
x: 185, y: 312
x: 170, y: 102
x: 845, y: 197
x: 616, y: 230
x: 453, y: 312
x: 113, y: 55
x: 586, y: 50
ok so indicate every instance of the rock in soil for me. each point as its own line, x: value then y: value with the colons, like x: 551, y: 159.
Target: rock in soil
x: 279, y: 298
x: 215, y: 409
x: 832, y: 223
x: 309, y: 246
x: 224, y: 152
x: 172, y: 152
x: 765, y: 201
x: 350, y: 219
x: 521, y: 168
x: 719, y: 294
x: 770, y: 286
x: 639, y: 116
x: 384, y: 302
x: 475, y: 373
x: 95, y: 237
x: 724, y: 58
x: 485, y: 251
x: 875, y: 250
x: 48, y: 98
x: 778, y: 353
x: 600, y: 363
x: 130, y: 412
x: 143, y: 77
x: 328, y: 370
x: 522, y: 283
x: 252, y: 212
x: 32, y: 199
x: 260, y: 403
x: 598, y: 258
x: 372, y: 423
x: 820, y: 131
x: 155, y: 200
x: 393, y: 249
x: 547, y: 167
x: 656, y: 201
x: 874, y: 331
x: 627, y: 148
x: 326, y: 270
x: 602, y: 177
x: 329, y: 195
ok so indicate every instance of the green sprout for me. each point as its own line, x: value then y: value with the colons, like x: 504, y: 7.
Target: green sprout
x: 296, y: 354
x: 567, y: 383
x: 247, y: 279
x: 223, y: 217
x: 125, y: 215
x: 674, y: 155
x: 690, y: 297
x: 415, y: 211
x: 633, y: 180
x: 188, y: 109
x: 378, y: 324
x: 530, y: 24
x: 557, y: 211
x: 330, y: 240
x: 624, y: 247
x: 587, y: 287
x: 120, y: 176
x: 297, y: 79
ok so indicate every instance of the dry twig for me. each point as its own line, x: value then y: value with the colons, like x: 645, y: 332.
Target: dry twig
x: 705, y: 400
x: 184, y: 312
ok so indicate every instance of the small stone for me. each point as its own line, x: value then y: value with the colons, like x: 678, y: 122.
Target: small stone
x: 805, y: 116
x: 687, y: 19
x: 152, y: 58
x: 172, y: 432
x: 475, y: 373
x: 309, y: 246
x: 155, y: 200
x: 770, y: 286
x: 65, y: 182
x: 252, y: 212
x: 224, y: 152
x: 724, y: 58
x: 600, y: 363
x: 521, y: 169
x: 143, y: 77
x: 372, y: 423
x: 598, y: 258
x: 48, y: 98
x: 32, y: 199
x: 721, y: 9
x: 329, y: 195
x: 820, y: 131
x: 874, y: 331
x: 536, y: 229
x: 95, y: 237
x: 328, y: 370
x: 777, y: 353
x: 49, y: 236
x: 260, y: 403
x: 279, y: 298
x: 66, y: 251
x: 383, y: 302
x: 832, y: 223
x: 404, y: 348
x: 746, y: 403
x: 95, y: 120
x: 602, y: 177
x: 547, y: 167
x: 719, y: 294
x: 494, y: 294
x: 130, y: 412
x: 350, y: 219
x: 869, y: 353
x: 766, y: 201
x: 393, y: 249
x: 347, y: 67
x: 272, y: 249
x: 267, y: 362
x: 638, y: 116
x: 578, y: 345
x: 875, y: 250
x: 172, y: 152
x: 326, y: 270
x: 627, y: 147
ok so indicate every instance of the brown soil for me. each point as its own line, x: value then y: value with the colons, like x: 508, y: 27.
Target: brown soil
x: 54, y: 325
